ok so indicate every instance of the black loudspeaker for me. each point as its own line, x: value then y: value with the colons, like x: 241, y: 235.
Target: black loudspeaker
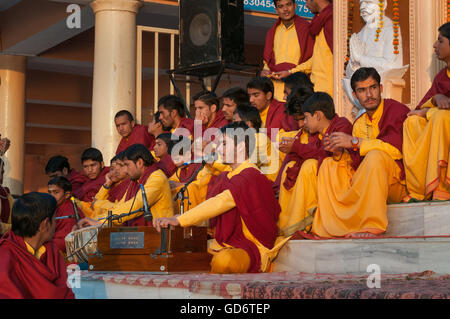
x: 211, y: 31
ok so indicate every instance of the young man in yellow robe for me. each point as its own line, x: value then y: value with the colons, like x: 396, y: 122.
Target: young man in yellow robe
x: 298, y: 189
x: 142, y: 170
x: 355, y: 185
x: 288, y: 47
x: 244, y: 217
x: 265, y: 155
x: 321, y: 28
x: 426, y: 134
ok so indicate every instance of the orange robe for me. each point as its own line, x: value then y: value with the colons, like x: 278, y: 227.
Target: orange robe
x: 353, y: 191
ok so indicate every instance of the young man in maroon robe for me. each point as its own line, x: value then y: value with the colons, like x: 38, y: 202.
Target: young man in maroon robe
x: 173, y: 116
x: 321, y: 29
x: 260, y: 90
x: 244, y: 217
x: 59, y: 166
x: 298, y: 189
x: 94, y: 169
x: 131, y: 132
x: 426, y: 134
x: 61, y: 189
x: 207, y: 110
x: 231, y: 98
x: 288, y: 46
x: 31, y: 266
x: 142, y: 170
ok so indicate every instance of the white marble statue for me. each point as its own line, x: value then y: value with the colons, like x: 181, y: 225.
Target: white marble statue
x: 366, y: 52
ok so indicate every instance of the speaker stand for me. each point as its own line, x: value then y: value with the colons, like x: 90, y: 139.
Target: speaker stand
x: 216, y: 69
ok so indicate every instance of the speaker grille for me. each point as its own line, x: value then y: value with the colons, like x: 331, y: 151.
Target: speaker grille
x: 200, y: 29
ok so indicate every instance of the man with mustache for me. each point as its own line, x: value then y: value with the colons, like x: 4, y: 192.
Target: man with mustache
x: 366, y: 171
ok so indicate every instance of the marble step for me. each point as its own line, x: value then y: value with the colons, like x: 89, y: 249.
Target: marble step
x: 419, y: 219
x: 353, y: 256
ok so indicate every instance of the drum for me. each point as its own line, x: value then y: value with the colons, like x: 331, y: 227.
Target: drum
x: 82, y: 243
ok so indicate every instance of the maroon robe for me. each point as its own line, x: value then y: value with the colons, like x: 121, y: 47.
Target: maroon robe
x: 167, y: 165
x: 118, y: 190
x: 305, y: 40
x: 77, y: 180
x: 391, y: 130
x: 188, y: 171
x: 441, y: 85
x: 87, y: 192
x: 218, y: 122
x: 324, y: 21
x: 23, y: 276
x: 186, y: 123
x: 133, y: 189
x: 275, y: 117
x: 258, y: 208
x: 64, y: 226
x: 139, y: 135
x: 5, y: 207
x: 314, y: 149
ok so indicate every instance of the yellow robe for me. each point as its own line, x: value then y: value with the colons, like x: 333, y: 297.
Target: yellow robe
x: 159, y: 200
x: 266, y: 156
x: 321, y: 66
x: 197, y: 189
x: 297, y: 202
x: 286, y: 49
x: 224, y: 260
x: 426, y: 150
x: 354, y: 202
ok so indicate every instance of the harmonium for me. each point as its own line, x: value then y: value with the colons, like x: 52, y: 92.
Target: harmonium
x: 140, y: 249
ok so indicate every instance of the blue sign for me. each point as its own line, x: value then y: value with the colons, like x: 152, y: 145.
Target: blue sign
x: 269, y: 7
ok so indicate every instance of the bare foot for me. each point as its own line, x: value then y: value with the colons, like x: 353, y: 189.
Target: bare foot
x: 361, y: 235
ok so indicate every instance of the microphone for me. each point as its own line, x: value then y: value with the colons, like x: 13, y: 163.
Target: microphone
x: 75, y: 209
x: 64, y: 217
x: 147, y: 214
x: 203, y: 159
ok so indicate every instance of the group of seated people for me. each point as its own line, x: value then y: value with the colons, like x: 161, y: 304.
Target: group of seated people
x: 259, y: 172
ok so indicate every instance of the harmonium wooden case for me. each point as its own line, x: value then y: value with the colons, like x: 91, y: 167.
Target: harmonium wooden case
x: 143, y: 249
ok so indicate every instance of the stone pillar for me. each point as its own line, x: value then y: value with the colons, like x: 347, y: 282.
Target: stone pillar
x: 114, y: 86
x: 425, y: 18
x: 12, y: 118
x: 340, y: 11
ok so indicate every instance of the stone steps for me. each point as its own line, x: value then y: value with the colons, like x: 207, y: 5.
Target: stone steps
x: 392, y: 255
x: 419, y: 219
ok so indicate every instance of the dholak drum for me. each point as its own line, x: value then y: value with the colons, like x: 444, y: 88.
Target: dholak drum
x: 81, y: 243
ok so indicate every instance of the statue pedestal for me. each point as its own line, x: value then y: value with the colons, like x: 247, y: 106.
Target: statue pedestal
x: 393, y: 89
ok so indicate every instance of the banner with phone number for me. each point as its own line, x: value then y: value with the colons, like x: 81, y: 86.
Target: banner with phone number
x: 269, y: 7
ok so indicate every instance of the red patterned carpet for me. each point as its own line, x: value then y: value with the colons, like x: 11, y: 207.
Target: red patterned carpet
x: 284, y: 285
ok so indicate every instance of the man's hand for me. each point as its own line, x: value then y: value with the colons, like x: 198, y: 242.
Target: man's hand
x: 286, y: 144
x: 203, y: 118
x: 108, y: 180
x: 280, y: 75
x: 441, y: 101
x: 155, y: 129
x: 165, y: 222
x: 338, y: 140
x: 86, y: 222
x: 421, y: 112
x: 265, y: 73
